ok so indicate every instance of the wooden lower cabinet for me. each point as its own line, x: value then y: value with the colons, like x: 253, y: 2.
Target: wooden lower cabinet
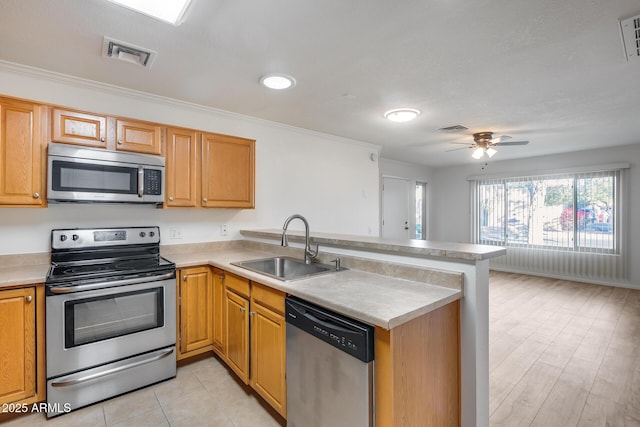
x: 218, y: 312
x: 237, y: 334
x: 268, y: 346
x: 22, y: 369
x: 194, y: 311
x: 417, y: 371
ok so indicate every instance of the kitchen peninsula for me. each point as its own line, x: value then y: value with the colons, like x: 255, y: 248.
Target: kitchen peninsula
x: 472, y: 261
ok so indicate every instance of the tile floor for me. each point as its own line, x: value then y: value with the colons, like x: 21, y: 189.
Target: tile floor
x: 204, y: 393
x: 562, y: 354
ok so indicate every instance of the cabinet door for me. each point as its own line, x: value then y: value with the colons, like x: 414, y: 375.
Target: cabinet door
x: 227, y: 171
x: 139, y: 137
x: 218, y: 311
x: 268, y: 356
x: 181, y: 156
x: 17, y: 344
x: 237, y: 334
x: 22, y: 154
x: 74, y: 127
x: 196, y: 309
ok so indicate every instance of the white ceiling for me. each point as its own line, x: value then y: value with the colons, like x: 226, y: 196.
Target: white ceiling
x: 548, y: 71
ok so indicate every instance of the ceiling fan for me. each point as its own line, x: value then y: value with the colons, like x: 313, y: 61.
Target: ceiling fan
x: 485, y: 143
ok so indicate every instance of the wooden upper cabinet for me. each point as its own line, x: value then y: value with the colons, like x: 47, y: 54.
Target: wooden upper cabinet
x: 17, y: 345
x: 228, y: 171
x: 75, y: 127
x: 22, y: 153
x: 139, y: 137
x: 181, y: 168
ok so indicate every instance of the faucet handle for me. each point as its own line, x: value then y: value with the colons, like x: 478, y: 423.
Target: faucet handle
x: 336, y: 262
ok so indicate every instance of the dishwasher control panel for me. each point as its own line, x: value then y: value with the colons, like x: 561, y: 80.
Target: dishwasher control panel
x: 349, y: 335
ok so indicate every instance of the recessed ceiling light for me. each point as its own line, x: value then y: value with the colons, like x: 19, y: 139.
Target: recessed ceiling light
x: 170, y: 11
x: 401, y: 115
x: 277, y: 81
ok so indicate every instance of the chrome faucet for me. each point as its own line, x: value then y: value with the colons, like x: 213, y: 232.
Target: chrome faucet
x: 309, y: 254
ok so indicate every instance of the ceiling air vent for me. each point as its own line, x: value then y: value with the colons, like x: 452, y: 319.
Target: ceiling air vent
x: 630, y: 28
x: 127, y: 52
x: 454, y: 128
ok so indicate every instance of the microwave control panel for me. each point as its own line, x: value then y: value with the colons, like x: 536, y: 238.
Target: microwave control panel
x: 153, y: 182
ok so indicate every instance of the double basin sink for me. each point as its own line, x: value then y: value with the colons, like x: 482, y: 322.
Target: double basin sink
x: 286, y: 268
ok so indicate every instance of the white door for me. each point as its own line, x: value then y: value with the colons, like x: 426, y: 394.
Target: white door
x: 395, y: 208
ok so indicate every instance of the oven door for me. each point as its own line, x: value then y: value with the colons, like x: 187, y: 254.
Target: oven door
x: 89, y: 328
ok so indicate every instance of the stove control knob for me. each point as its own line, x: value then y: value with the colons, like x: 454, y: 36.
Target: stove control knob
x: 142, y: 234
x: 152, y: 233
x: 63, y: 237
x: 75, y: 237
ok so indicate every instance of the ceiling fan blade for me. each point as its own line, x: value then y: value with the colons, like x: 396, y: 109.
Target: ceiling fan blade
x: 503, y: 144
x: 461, y: 148
x: 499, y: 139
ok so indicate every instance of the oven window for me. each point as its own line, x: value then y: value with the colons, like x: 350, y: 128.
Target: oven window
x: 100, y: 318
x: 69, y: 176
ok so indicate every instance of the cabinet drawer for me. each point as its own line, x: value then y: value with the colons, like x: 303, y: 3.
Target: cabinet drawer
x: 268, y: 297
x: 237, y: 284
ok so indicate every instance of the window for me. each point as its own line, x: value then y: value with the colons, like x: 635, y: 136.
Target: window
x: 574, y: 212
x: 421, y: 210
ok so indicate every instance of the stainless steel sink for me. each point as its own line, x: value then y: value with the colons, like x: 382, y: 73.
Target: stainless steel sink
x: 285, y: 268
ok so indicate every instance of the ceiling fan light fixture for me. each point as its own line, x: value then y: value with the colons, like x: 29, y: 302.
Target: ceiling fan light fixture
x: 277, y: 81
x: 491, y: 151
x: 478, y: 153
x: 401, y: 115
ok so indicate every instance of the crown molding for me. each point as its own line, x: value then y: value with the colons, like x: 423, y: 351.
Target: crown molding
x: 60, y: 78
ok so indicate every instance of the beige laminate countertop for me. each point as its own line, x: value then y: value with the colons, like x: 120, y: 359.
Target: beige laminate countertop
x: 418, y: 248
x: 23, y: 275
x: 372, y: 298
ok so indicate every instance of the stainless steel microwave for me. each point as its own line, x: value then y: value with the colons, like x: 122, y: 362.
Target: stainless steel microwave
x: 94, y: 175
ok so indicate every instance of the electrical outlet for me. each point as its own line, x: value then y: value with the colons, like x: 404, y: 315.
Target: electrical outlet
x: 224, y: 230
x: 175, y: 233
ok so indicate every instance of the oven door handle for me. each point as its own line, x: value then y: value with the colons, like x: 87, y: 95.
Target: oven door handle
x: 104, y: 285
x: 96, y: 375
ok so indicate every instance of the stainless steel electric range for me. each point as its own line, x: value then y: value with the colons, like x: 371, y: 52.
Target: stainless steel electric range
x: 110, y: 315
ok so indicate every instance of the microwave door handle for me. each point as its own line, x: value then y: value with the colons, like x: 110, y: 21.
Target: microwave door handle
x: 140, y: 181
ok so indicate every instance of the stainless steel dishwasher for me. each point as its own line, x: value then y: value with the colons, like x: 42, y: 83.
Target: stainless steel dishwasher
x: 329, y: 368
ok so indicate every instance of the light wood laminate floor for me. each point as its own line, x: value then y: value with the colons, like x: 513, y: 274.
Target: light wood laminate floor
x: 563, y: 353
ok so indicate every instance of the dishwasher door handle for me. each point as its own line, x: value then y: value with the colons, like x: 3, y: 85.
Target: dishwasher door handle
x: 329, y: 324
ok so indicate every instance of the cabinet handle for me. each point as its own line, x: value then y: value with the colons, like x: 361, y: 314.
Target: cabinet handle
x: 242, y: 309
x: 102, y: 139
x: 221, y: 277
x: 120, y: 141
x: 171, y: 198
x: 205, y: 200
x: 29, y: 298
x: 36, y: 195
x: 184, y: 278
x: 251, y: 313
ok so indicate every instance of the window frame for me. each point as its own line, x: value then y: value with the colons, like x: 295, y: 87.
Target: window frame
x: 617, y: 221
